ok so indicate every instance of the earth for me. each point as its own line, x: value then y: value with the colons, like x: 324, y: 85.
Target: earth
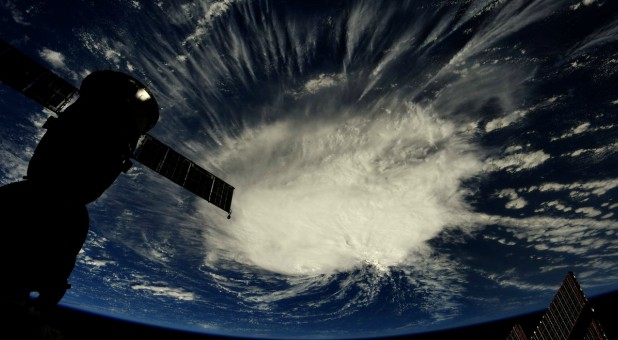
x: 399, y: 166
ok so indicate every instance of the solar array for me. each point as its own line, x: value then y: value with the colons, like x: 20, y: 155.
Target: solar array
x: 568, y: 317
x: 180, y: 170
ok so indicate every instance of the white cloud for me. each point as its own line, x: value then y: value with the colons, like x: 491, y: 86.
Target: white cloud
x: 104, y: 48
x: 176, y: 293
x: 502, y: 122
x: 522, y: 285
x: 510, y: 17
x: 517, y: 162
x: 577, y: 153
x: 87, y: 260
x: 601, y: 36
x: 17, y: 149
x: 515, y: 202
x: 211, y: 11
x: 561, y: 235
x: 584, y: 127
x: 519, y: 114
x: 574, y: 131
x: 583, y: 2
x: 559, y: 206
x: 16, y: 14
x: 56, y: 59
x: 594, y: 187
x: 14, y: 163
x: 513, y: 149
x: 322, y: 81
x: 112, y: 55
x: 596, y: 152
x: 588, y: 211
x: 510, y: 193
x: 581, y: 128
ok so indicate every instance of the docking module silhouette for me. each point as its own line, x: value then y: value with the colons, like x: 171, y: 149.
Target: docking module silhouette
x: 99, y: 129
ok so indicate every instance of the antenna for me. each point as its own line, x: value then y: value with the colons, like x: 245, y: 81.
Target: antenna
x: 25, y: 75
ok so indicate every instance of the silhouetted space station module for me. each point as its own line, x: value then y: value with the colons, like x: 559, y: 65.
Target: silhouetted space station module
x: 99, y: 128
x: 86, y: 148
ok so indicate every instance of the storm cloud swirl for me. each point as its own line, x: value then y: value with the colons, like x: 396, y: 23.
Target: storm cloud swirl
x: 377, y: 150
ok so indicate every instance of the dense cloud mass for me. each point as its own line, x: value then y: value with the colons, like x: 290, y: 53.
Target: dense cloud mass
x: 319, y: 197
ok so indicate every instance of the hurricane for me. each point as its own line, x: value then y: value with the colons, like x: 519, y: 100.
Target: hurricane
x: 399, y: 166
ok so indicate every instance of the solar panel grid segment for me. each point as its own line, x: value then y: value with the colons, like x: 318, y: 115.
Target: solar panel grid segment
x: 35, y: 81
x: 594, y: 331
x: 199, y: 182
x: 221, y: 195
x: 517, y: 333
x: 51, y: 91
x: 180, y: 170
x: 563, y: 313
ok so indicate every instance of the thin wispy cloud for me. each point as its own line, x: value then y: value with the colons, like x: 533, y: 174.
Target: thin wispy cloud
x: 17, y: 14
x: 166, y: 291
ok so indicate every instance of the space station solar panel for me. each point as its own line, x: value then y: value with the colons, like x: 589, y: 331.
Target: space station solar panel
x: 180, y: 170
x: 32, y: 79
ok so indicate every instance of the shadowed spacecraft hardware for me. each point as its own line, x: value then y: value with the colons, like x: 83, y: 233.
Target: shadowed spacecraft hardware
x: 46, y: 88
